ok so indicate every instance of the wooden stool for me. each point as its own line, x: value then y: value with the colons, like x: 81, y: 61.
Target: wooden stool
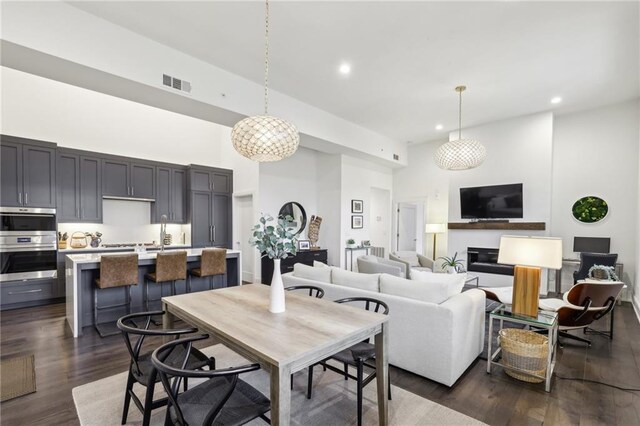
x: 170, y: 267
x: 213, y: 262
x: 119, y: 270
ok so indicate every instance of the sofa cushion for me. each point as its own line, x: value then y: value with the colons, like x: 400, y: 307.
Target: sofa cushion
x: 346, y: 278
x: 434, y: 293
x: 317, y: 264
x: 301, y: 270
x: 454, y: 282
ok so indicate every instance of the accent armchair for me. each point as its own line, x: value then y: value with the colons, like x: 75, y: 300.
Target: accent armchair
x: 412, y: 260
x: 587, y: 260
x: 377, y: 265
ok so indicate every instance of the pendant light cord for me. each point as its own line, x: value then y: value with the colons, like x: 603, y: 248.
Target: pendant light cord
x: 460, y: 116
x: 266, y: 57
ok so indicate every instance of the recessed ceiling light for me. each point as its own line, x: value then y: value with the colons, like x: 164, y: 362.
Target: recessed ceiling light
x: 345, y: 68
x: 439, y: 127
x: 556, y: 100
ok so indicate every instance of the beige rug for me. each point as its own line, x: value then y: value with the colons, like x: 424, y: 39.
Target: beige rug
x: 18, y: 377
x: 333, y: 401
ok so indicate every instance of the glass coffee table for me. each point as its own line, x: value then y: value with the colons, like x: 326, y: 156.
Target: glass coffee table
x: 545, y: 320
x: 471, y: 278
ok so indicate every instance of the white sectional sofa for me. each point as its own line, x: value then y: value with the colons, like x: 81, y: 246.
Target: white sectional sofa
x: 432, y: 332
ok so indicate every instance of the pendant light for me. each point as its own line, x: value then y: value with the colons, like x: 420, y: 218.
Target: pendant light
x: 265, y: 137
x: 461, y: 154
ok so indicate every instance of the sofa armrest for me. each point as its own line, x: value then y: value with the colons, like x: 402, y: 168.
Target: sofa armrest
x: 402, y: 266
x: 407, y: 267
x: 425, y: 262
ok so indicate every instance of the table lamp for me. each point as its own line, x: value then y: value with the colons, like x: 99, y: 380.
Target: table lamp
x: 435, y: 228
x: 529, y: 254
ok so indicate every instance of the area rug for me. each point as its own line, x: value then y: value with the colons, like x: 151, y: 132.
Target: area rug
x: 333, y: 401
x: 18, y: 377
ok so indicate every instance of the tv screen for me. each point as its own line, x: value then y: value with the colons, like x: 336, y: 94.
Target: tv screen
x: 492, y: 202
x: 591, y: 244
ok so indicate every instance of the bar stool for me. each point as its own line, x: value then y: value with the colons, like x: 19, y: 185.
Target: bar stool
x: 213, y: 261
x: 119, y: 270
x: 170, y: 267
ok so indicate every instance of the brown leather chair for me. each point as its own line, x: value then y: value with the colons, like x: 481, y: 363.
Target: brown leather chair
x: 116, y: 270
x: 583, y: 304
x: 213, y: 261
x: 170, y: 267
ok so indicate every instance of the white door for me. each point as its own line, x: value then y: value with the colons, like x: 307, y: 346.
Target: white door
x: 407, y: 220
x: 244, y: 215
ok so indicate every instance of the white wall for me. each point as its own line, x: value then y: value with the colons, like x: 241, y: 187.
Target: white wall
x: 329, y: 169
x: 636, y: 289
x: 595, y: 152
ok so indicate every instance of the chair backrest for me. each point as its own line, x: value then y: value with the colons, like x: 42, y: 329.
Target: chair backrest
x: 171, y: 377
x: 314, y: 291
x: 135, y: 334
x: 118, y: 270
x: 171, y: 266
x: 213, y: 262
x: 370, y: 304
x: 592, y: 301
x: 587, y: 260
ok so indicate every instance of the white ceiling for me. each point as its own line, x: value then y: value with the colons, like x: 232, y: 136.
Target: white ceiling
x: 407, y: 57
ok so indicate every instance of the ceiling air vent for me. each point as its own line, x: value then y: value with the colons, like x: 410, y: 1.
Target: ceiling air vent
x: 176, y: 83
x: 396, y: 157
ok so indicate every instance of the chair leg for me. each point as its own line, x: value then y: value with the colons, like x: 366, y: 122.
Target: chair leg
x: 95, y: 309
x: 148, y: 403
x: 346, y: 371
x: 146, y: 295
x: 310, y: 382
x: 211, y: 282
x: 571, y: 336
x: 360, y: 374
x: 389, y: 383
x: 189, y: 284
x: 127, y: 396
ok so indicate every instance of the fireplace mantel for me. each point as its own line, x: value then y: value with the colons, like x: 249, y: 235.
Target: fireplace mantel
x: 526, y: 226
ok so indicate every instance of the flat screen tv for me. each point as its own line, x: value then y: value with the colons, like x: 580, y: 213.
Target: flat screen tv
x: 492, y: 202
x: 591, y: 244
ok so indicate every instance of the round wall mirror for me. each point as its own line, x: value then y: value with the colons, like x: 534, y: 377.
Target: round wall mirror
x: 296, y: 211
x: 590, y: 209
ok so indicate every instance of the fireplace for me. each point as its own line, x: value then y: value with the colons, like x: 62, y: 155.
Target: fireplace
x: 482, y: 259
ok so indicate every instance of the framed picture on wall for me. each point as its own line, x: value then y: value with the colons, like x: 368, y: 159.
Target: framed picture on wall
x: 304, y: 245
x: 356, y: 206
x: 356, y: 222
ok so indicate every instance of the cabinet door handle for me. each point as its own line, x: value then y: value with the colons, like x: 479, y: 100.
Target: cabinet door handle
x: 214, y: 233
x: 20, y: 198
x: 78, y: 212
x: 211, y: 233
x: 26, y: 291
x: 26, y: 198
x: 82, y: 211
x: 132, y: 191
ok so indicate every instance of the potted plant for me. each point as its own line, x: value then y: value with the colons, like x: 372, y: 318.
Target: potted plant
x: 452, y: 264
x: 601, y: 272
x: 351, y: 243
x: 275, y: 241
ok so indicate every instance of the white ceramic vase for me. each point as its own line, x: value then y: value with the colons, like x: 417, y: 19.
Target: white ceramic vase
x: 276, y: 297
x: 451, y: 269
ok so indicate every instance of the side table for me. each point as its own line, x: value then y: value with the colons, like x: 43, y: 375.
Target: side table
x: 545, y: 320
x: 350, y: 250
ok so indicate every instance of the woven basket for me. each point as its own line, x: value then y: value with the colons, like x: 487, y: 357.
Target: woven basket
x: 526, y: 351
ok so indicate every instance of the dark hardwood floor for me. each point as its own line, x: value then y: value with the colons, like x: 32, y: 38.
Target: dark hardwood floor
x: 63, y: 363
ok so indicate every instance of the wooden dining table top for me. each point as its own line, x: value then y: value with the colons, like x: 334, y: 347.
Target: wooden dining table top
x: 241, y: 315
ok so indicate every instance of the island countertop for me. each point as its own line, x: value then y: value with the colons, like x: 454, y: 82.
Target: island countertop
x: 81, y: 269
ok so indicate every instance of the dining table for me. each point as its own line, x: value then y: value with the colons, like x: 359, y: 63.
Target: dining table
x: 309, y: 331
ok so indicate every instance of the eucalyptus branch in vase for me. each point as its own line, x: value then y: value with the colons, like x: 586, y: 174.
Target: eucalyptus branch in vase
x: 275, y: 240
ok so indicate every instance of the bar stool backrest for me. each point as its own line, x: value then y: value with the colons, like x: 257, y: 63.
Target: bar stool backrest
x: 213, y: 262
x: 171, y: 266
x: 117, y: 270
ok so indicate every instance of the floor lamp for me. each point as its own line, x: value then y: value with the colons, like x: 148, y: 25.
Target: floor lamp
x: 529, y: 254
x: 435, y: 229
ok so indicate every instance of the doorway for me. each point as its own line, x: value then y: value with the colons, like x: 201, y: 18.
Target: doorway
x: 243, y: 225
x: 409, y: 227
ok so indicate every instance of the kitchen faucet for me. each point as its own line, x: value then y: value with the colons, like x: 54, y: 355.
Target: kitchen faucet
x: 163, y: 230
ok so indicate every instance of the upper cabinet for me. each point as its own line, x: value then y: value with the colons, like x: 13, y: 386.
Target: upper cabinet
x: 79, y: 187
x: 210, y: 202
x: 171, y: 195
x: 123, y: 178
x: 28, y: 176
x: 210, y: 179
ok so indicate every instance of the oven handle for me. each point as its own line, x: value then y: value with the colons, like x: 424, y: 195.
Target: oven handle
x: 14, y: 248
x: 29, y: 215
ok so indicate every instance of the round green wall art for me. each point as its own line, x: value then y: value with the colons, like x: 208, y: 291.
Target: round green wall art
x: 590, y: 209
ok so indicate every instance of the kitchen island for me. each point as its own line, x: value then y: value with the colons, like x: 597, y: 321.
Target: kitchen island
x: 81, y: 270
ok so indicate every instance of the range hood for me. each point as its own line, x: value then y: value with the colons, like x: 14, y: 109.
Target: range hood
x: 113, y: 197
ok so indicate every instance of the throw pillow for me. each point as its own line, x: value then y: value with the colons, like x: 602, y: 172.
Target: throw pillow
x: 396, y: 286
x: 317, y: 264
x: 301, y: 270
x: 346, y: 278
x: 454, y: 282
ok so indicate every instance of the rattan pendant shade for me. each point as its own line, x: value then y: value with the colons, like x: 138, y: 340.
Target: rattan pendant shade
x: 265, y: 137
x: 460, y: 154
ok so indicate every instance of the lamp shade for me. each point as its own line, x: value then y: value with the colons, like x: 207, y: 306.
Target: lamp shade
x: 542, y: 252
x: 435, y: 228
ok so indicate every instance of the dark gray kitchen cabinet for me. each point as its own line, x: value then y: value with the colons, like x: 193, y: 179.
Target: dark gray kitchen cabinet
x: 221, y: 220
x: 201, y: 218
x: 200, y: 180
x: 79, y: 187
x: 170, y: 195
x: 211, y: 206
x: 126, y: 179
x: 28, y: 172
x: 211, y: 179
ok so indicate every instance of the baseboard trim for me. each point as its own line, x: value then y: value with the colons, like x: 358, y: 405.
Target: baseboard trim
x: 635, y: 302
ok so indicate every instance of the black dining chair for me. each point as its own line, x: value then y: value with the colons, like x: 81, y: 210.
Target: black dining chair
x: 223, y: 399
x: 314, y: 291
x: 587, y: 260
x: 141, y: 369
x: 358, y: 355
